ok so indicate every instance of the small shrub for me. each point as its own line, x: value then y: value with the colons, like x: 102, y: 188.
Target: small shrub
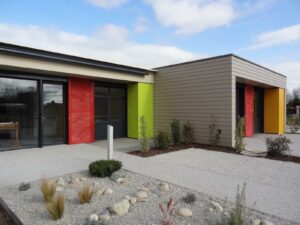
x: 188, y: 133
x: 190, y: 198
x: 239, y: 135
x: 214, y: 134
x: 237, y: 215
x: 144, y: 140
x: 175, y: 130
x: 294, y: 124
x: 85, y: 194
x: 104, y: 168
x: 168, y: 213
x: 24, y: 186
x: 48, y: 189
x: 162, y: 140
x: 56, y: 207
x: 278, y: 145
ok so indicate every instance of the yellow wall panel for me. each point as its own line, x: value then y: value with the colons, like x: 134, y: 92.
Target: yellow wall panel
x: 274, y: 100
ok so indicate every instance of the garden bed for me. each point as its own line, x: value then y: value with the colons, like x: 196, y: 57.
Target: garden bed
x: 30, y: 207
x: 173, y: 148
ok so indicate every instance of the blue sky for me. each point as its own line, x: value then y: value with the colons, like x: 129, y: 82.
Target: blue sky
x: 152, y: 33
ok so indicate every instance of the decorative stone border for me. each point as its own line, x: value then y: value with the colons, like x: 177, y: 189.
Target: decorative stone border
x: 10, y: 213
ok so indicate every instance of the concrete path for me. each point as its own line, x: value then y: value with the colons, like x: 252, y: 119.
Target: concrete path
x: 273, y: 185
x: 257, y: 143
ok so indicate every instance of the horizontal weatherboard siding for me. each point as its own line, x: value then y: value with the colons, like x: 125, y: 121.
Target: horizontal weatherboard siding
x: 193, y: 92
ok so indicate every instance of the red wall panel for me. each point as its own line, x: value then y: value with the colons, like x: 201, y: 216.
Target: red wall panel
x: 81, y: 110
x: 249, y: 110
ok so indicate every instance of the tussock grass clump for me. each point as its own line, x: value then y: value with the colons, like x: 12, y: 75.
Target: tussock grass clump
x: 48, y: 189
x: 56, y: 206
x: 85, y: 194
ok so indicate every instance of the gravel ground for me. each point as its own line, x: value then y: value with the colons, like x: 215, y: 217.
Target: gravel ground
x: 29, y: 206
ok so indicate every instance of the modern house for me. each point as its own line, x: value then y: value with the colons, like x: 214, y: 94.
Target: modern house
x: 51, y: 98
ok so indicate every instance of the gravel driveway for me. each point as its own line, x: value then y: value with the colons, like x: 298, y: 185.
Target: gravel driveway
x: 272, y: 185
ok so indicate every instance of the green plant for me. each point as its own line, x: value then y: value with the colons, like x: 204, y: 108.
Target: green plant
x: 48, y: 189
x: 24, y: 186
x: 162, y: 140
x: 190, y: 198
x: 294, y: 124
x: 56, y: 206
x: 85, y: 194
x: 167, y: 213
x: 237, y: 214
x: 188, y: 133
x: 144, y: 140
x: 214, y: 134
x: 104, y: 168
x: 278, y: 145
x: 239, y: 135
x: 175, y: 130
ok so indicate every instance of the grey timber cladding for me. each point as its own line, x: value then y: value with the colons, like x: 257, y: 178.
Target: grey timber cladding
x: 250, y: 71
x: 193, y: 92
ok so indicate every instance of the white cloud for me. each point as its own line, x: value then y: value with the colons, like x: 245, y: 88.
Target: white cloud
x: 141, y: 24
x: 281, y: 36
x: 193, y: 16
x: 108, y: 43
x: 107, y: 4
x: 291, y: 69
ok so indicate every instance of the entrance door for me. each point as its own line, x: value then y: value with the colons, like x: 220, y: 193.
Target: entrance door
x: 110, y: 109
x: 53, y: 113
x: 258, y: 110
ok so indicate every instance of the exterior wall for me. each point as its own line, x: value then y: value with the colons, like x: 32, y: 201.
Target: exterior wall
x: 140, y: 103
x: 253, y: 75
x: 194, y: 92
x: 249, y: 111
x: 274, y: 100
x: 18, y: 63
x: 252, y: 72
x: 80, y: 110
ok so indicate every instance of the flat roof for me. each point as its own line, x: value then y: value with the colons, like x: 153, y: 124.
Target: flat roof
x: 217, y: 57
x: 28, y: 52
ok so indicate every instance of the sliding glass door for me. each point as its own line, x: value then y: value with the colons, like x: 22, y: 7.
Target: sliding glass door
x: 32, y: 113
x: 19, y: 114
x: 53, y: 113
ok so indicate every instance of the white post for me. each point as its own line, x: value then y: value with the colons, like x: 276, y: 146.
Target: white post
x: 110, y: 142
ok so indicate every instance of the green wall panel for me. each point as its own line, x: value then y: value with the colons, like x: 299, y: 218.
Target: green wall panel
x: 140, y: 103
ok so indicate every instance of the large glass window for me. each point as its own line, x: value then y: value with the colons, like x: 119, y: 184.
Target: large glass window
x: 18, y: 113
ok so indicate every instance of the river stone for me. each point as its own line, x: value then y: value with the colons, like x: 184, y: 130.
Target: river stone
x: 105, y: 217
x: 164, y: 187
x: 59, y: 189
x: 108, y: 191
x: 141, y: 195
x: 100, y: 191
x: 217, y: 206
x: 118, y: 174
x: 266, y: 222
x: 185, y: 212
x: 255, y: 222
x: 120, y: 180
x: 133, y: 200
x: 121, y: 207
x: 93, y: 218
x: 60, y: 182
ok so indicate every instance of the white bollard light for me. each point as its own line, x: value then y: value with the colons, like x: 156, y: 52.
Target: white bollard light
x: 110, y: 142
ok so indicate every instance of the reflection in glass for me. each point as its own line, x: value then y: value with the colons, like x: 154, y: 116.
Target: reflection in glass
x: 18, y: 113
x: 54, y: 114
